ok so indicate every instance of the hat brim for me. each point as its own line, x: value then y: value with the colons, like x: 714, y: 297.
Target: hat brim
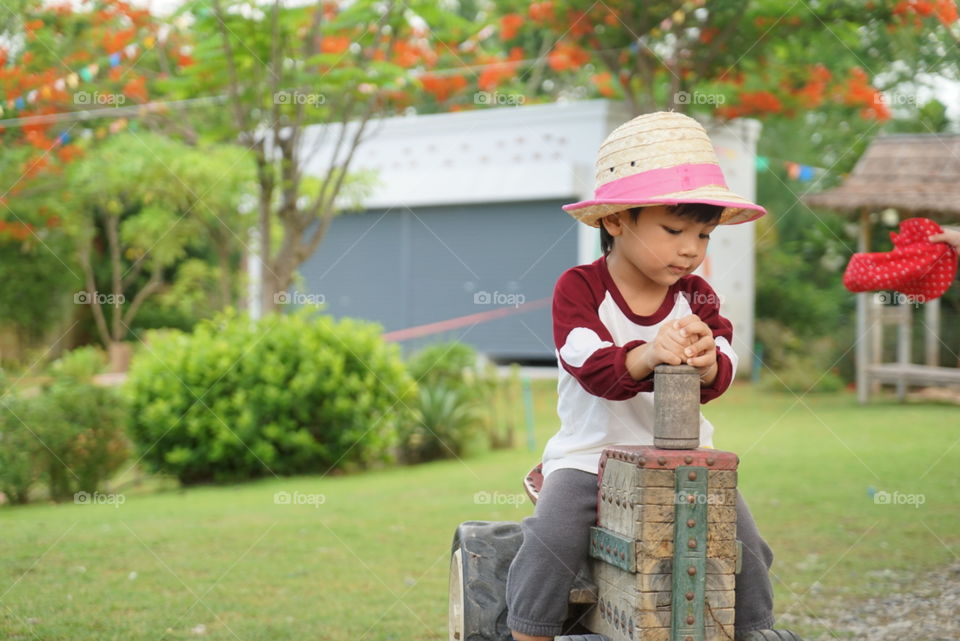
x: 737, y: 210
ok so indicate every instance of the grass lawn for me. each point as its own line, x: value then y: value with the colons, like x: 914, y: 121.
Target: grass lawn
x: 368, y: 559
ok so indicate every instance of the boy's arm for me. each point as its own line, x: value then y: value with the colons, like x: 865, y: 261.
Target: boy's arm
x: 584, y: 344
x: 705, y: 303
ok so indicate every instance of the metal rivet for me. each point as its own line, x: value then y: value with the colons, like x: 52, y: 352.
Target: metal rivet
x: 661, y: 461
x: 711, y: 461
x: 688, y: 460
x: 692, y: 476
x: 691, y: 570
x: 691, y: 499
x: 689, y: 596
x: 692, y: 544
x: 688, y: 639
x: 690, y: 620
x: 691, y: 523
x: 641, y: 461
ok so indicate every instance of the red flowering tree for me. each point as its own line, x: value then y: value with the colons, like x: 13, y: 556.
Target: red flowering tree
x: 57, y: 60
x: 730, y: 58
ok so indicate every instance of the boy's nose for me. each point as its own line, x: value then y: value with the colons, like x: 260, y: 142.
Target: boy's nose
x: 688, y: 248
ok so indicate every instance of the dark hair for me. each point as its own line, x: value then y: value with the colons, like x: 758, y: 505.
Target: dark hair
x: 697, y: 212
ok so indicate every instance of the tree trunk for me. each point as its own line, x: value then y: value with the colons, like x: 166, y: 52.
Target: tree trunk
x: 120, y: 353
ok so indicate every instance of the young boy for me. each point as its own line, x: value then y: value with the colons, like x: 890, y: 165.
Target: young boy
x: 659, y: 195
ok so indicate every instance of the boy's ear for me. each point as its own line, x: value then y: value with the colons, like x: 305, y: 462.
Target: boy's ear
x: 612, y: 224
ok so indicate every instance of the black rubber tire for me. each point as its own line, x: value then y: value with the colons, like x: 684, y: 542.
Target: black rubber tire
x: 482, y: 552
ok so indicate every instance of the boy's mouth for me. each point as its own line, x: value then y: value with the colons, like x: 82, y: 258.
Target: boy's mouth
x: 676, y: 269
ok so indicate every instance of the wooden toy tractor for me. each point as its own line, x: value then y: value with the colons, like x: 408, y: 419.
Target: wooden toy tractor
x: 663, y: 555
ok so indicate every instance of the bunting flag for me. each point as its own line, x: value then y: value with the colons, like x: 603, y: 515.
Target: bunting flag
x: 86, y: 74
x: 795, y: 170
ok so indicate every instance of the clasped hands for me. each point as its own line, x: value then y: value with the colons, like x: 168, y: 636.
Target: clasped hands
x: 687, y: 340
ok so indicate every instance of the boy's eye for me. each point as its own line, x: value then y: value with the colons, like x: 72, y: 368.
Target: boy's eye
x: 670, y: 230
x: 705, y: 236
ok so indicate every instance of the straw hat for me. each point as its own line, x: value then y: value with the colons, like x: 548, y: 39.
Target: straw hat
x: 663, y: 158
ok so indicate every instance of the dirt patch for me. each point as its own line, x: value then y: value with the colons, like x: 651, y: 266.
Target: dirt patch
x: 917, y: 608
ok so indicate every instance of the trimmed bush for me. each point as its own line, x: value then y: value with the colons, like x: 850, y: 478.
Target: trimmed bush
x: 19, y: 451
x: 69, y: 436
x: 82, y: 427
x: 238, y: 399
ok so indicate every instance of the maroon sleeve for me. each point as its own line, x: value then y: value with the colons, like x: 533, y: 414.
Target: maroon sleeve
x: 584, y: 346
x: 705, y: 303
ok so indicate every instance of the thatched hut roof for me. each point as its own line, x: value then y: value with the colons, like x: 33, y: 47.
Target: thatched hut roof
x: 916, y: 174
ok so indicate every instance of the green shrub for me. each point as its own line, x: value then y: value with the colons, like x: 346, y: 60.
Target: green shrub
x: 444, y: 364
x: 464, y: 399
x: 798, y: 365
x: 80, y: 364
x: 238, y: 399
x: 19, y: 451
x: 82, y: 429
x: 446, y: 421
x: 69, y: 434
x: 501, y: 406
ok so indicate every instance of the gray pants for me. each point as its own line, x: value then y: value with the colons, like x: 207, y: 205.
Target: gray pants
x: 555, y: 541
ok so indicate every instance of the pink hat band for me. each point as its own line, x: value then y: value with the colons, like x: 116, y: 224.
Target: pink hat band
x: 656, y: 182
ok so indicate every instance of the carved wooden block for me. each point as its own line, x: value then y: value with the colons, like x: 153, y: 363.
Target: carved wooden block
x: 639, y: 497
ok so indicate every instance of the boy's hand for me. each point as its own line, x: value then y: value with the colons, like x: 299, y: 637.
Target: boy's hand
x: 700, y: 350
x: 667, y: 347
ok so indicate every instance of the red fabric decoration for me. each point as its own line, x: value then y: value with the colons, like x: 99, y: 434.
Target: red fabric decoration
x: 915, y: 267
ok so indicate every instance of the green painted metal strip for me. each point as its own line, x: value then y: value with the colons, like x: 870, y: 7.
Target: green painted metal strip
x: 617, y: 550
x: 689, y: 554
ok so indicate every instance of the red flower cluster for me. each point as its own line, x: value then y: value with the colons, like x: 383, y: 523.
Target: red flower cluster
x: 567, y: 56
x: 441, y: 87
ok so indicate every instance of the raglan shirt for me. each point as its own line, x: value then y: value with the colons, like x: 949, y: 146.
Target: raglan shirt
x: 600, y: 404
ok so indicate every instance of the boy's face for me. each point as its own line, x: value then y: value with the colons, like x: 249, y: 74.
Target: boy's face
x: 663, y: 246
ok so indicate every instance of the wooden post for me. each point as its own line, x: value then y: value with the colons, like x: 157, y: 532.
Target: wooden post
x: 931, y: 332
x: 862, y: 339
x: 903, y: 346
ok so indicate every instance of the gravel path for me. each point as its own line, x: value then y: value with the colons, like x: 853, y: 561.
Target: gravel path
x: 919, y: 608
